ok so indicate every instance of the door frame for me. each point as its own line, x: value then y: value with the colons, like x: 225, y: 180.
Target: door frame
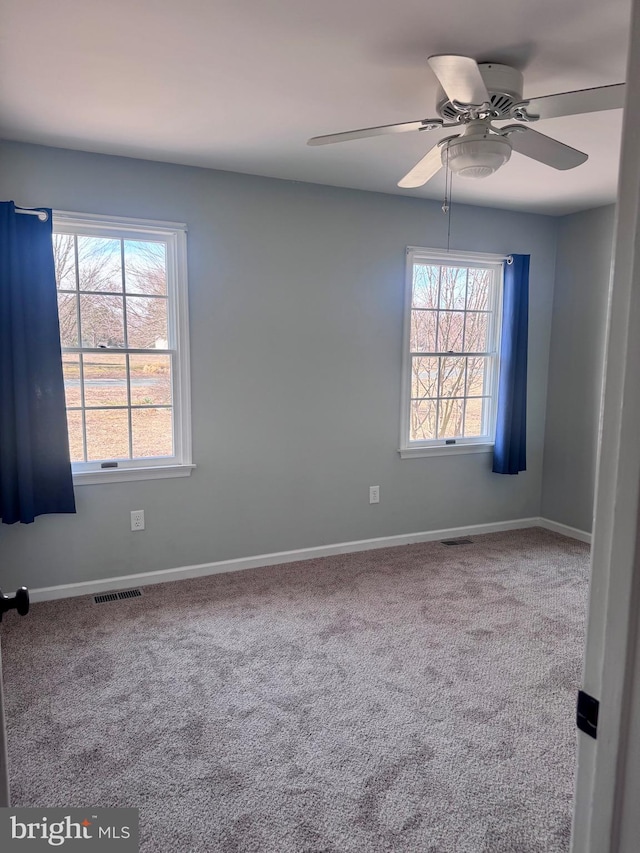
x: 611, y: 671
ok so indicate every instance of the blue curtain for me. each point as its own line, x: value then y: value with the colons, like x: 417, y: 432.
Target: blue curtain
x: 509, y: 454
x: 35, y: 471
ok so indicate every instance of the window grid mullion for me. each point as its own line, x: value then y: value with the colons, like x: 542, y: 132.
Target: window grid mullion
x: 123, y: 407
x: 119, y: 293
x: 130, y: 427
x: 124, y: 298
x: 451, y: 354
x: 438, y: 386
x: 82, y: 403
x: 465, y: 398
x: 438, y: 313
x: 123, y: 350
x: 466, y: 292
x: 418, y: 308
x: 464, y: 316
x: 127, y: 357
x: 412, y: 399
x: 80, y: 358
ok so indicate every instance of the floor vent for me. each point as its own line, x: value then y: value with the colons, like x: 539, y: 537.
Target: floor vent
x: 456, y: 542
x: 107, y: 596
x: 130, y: 593
x: 116, y: 596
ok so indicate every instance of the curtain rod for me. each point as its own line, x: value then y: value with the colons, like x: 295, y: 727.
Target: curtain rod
x: 41, y: 214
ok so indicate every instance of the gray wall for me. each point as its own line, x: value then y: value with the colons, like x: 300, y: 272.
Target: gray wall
x: 296, y: 344
x: 583, y: 263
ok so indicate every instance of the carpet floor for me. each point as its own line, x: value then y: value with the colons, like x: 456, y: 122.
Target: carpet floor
x: 416, y: 699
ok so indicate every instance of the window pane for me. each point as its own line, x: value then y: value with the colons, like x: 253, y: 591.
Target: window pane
x: 64, y: 258
x: 152, y: 432
x: 450, y: 418
x: 99, y: 264
x: 74, y: 426
x: 105, y: 379
x: 452, y: 314
x: 424, y: 377
x: 477, y: 371
x: 145, y: 267
x: 453, y: 288
x: 452, y: 377
x: 147, y: 322
x: 150, y: 379
x: 478, y: 290
x: 473, y: 416
x: 68, y: 319
x: 450, y: 328
x: 475, y: 333
x: 425, y: 286
x: 102, y: 320
x: 107, y: 434
x: 423, y: 420
x: 71, y: 373
x: 423, y: 331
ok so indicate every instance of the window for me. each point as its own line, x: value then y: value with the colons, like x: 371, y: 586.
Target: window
x: 451, y: 351
x: 122, y: 305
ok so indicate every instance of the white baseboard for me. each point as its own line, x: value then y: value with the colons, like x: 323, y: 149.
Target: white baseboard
x: 69, y: 590
x: 565, y: 530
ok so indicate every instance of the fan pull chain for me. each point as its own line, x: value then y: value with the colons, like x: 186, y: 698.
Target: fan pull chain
x: 446, y: 205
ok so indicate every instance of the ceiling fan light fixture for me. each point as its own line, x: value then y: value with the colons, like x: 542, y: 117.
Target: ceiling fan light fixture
x: 476, y: 157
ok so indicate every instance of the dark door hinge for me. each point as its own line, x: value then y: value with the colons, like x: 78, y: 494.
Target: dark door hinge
x: 587, y: 714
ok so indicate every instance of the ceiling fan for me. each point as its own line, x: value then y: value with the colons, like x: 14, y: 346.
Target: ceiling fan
x: 474, y: 96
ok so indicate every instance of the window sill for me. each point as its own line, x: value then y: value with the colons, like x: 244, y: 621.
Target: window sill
x: 444, y: 450
x: 123, y: 475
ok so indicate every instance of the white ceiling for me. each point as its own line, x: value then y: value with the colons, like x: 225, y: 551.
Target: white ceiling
x: 240, y: 86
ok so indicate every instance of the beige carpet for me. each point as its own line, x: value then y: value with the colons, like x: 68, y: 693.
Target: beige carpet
x: 416, y: 699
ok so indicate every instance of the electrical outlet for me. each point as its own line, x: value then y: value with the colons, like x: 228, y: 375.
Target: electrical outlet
x: 137, y: 519
x: 374, y: 494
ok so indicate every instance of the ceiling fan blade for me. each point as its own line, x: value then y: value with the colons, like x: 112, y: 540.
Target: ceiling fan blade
x: 424, y: 169
x: 575, y: 103
x: 460, y: 78
x: 543, y: 148
x: 423, y: 124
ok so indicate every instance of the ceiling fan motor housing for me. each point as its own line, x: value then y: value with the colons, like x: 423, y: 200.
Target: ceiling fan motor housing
x: 504, y: 85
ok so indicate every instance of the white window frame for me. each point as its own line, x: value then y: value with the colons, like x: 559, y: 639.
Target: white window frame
x: 174, y: 235
x: 469, y: 444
